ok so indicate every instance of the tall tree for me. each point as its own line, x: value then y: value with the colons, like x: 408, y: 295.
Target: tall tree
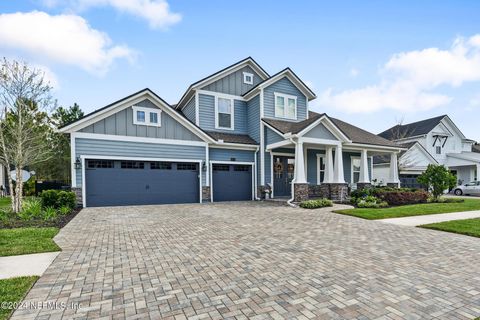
x: 25, y: 98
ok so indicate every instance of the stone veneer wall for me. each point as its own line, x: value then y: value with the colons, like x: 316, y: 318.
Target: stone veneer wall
x: 333, y: 191
x: 206, y: 194
x: 78, y: 194
x: 300, y: 191
x: 361, y: 186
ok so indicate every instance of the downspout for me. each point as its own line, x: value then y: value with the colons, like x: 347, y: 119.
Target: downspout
x: 256, y: 176
x: 289, y: 202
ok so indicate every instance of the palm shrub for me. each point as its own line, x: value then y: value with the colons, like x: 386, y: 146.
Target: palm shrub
x: 31, y: 209
x: 49, y: 213
x: 438, y: 179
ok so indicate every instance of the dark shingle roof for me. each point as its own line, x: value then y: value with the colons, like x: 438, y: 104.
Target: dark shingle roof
x: 476, y: 148
x: 386, y: 158
x: 355, y: 134
x: 411, y: 129
x: 232, y: 138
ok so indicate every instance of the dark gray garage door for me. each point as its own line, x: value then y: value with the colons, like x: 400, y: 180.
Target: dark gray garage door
x: 231, y: 182
x: 120, y: 183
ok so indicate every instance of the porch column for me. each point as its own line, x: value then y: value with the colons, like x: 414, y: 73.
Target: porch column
x: 300, y: 163
x: 393, y: 179
x: 328, y: 176
x: 478, y: 171
x: 338, y: 168
x: 364, y: 177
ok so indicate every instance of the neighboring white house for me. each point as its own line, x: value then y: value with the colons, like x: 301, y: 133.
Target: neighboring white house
x: 432, y: 141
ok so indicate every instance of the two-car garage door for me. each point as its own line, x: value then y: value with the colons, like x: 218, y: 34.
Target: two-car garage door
x: 119, y: 182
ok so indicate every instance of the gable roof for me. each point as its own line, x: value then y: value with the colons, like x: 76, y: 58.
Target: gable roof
x: 292, y: 76
x: 382, y: 159
x: 249, y: 60
x: 124, y: 103
x: 232, y: 138
x: 413, y: 129
x: 355, y: 134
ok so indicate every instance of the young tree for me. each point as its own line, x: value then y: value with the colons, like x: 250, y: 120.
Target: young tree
x: 438, y: 178
x: 24, y: 99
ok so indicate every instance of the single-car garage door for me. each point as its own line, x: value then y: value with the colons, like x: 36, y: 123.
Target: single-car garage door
x: 120, y: 183
x: 231, y: 182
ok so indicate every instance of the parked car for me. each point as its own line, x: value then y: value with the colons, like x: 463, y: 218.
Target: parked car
x: 468, y: 189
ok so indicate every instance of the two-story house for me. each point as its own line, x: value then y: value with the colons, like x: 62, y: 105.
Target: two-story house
x: 432, y: 141
x: 238, y: 134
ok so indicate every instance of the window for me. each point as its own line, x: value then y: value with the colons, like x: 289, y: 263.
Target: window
x: 160, y: 166
x: 438, y: 150
x: 221, y: 167
x: 146, y: 116
x: 92, y: 164
x: 186, y: 166
x: 132, y: 165
x: 285, y: 106
x: 355, y: 170
x: 241, y: 168
x: 224, y: 113
x: 248, y: 78
x: 321, y: 168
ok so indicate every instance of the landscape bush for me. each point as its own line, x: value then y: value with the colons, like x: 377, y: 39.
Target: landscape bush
x: 58, y: 198
x: 445, y: 200
x: 31, y: 209
x: 314, y: 204
x: 64, y: 210
x: 402, y: 197
x: 49, y: 213
x: 49, y: 198
x: 365, y: 204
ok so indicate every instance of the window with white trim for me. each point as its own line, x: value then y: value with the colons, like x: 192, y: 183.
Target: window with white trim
x: 320, y: 168
x: 224, y: 113
x: 355, y: 166
x: 147, y: 116
x: 285, y: 106
x: 248, y: 78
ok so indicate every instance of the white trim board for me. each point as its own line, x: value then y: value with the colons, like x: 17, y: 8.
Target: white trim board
x: 86, y: 157
x: 232, y: 162
x: 98, y: 136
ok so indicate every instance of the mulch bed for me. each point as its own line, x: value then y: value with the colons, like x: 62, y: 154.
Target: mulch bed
x: 15, y: 222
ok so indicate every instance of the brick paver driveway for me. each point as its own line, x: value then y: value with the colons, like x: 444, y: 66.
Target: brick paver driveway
x: 255, y: 260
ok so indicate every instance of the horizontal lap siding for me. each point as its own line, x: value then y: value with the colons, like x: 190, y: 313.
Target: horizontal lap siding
x: 135, y: 149
x: 189, y: 110
x: 284, y: 86
x: 207, y: 115
x: 227, y: 155
x: 271, y: 136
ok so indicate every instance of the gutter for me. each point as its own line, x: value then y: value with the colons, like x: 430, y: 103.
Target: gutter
x: 255, y: 175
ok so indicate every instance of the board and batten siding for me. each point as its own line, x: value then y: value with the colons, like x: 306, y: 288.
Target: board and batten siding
x: 253, y: 118
x: 233, y: 83
x: 207, y: 115
x: 121, y: 123
x: 189, y: 110
x: 285, y: 86
x: 139, y: 150
x: 217, y: 154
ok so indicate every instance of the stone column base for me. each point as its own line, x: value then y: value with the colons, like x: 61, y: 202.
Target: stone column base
x: 338, y: 191
x: 79, y: 198
x: 363, y: 185
x: 300, y: 192
x: 206, y: 194
x: 393, y: 184
x: 319, y: 190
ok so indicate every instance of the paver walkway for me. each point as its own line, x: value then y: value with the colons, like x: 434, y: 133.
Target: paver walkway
x: 26, y: 264
x: 253, y: 261
x: 432, y: 218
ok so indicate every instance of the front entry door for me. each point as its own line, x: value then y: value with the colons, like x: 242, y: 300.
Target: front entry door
x: 283, y: 169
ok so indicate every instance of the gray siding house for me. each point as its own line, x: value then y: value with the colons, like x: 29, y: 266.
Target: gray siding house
x: 238, y: 134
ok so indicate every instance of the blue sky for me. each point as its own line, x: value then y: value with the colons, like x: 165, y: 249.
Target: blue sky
x: 369, y: 62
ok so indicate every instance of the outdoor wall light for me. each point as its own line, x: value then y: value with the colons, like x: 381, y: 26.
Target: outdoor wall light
x: 204, y: 166
x: 78, y: 164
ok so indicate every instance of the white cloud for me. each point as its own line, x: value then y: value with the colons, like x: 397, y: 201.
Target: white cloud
x: 354, y: 72
x: 156, y: 12
x: 48, y: 76
x: 66, y: 39
x: 409, y: 80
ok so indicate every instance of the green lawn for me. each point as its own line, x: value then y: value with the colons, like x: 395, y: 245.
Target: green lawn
x: 469, y: 227
x: 13, y: 290
x: 27, y: 240
x: 4, y: 203
x: 412, y: 210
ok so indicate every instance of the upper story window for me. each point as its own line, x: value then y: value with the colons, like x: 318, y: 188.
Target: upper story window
x: 146, y: 116
x: 224, y: 113
x: 438, y: 150
x: 285, y: 106
x: 248, y: 78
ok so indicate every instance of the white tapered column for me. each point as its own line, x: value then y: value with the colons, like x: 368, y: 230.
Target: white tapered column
x: 300, y: 163
x: 328, y: 177
x: 364, y: 177
x: 338, y: 167
x: 393, y: 178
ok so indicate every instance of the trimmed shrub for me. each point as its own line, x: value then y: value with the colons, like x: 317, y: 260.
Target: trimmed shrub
x: 66, y: 199
x: 49, y: 198
x: 402, y: 197
x: 365, y: 204
x: 49, y: 213
x: 314, y: 204
x: 445, y: 200
x: 31, y: 209
x: 64, y: 210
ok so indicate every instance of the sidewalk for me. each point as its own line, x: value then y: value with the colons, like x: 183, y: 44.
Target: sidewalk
x: 26, y: 265
x: 432, y: 218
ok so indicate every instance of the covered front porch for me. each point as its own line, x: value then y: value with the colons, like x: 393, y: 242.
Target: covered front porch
x: 302, y: 168
x: 465, y: 165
